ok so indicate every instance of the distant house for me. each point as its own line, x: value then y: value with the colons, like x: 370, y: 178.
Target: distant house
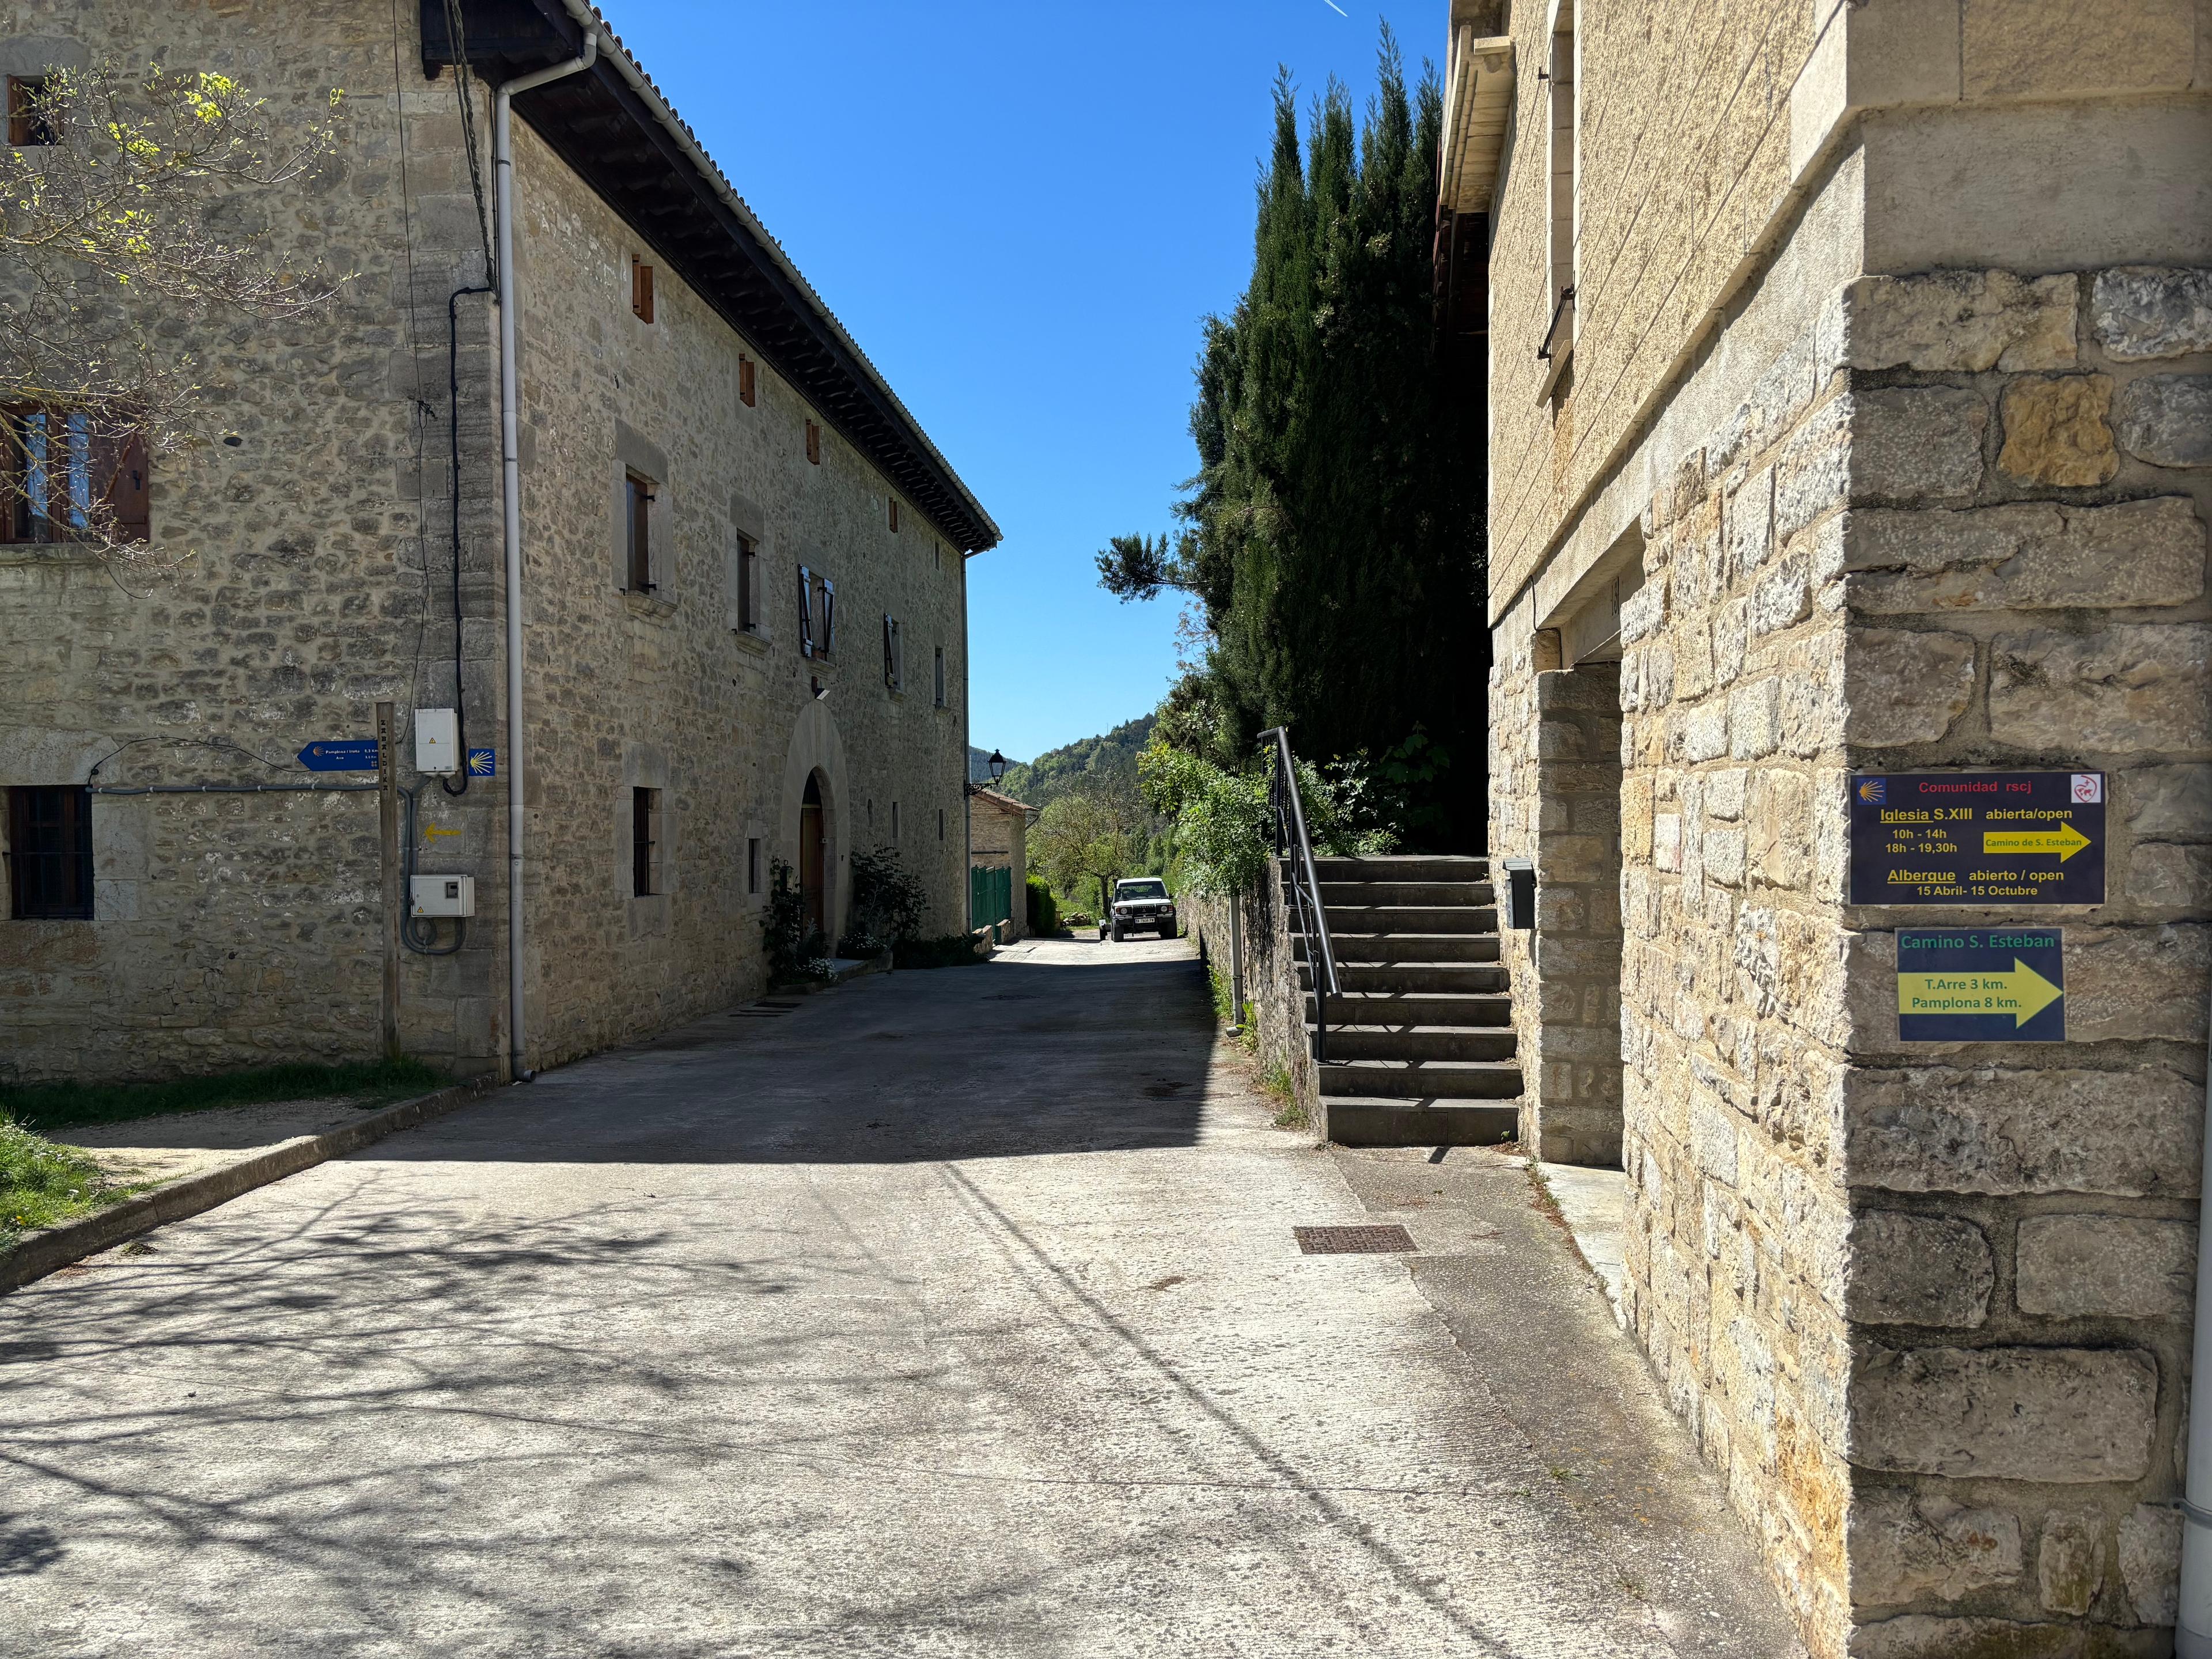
x: 998, y: 828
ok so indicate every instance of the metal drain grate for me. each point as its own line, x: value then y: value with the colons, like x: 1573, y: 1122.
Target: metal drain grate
x: 1382, y: 1239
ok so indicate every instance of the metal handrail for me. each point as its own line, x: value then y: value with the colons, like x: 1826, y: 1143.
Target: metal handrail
x: 1305, y: 887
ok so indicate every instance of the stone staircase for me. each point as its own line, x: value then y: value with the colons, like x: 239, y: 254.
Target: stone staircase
x: 1421, y: 1042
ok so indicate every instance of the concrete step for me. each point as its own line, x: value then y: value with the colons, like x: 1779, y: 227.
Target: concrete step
x: 1419, y: 1042
x: 1403, y: 947
x: 1402, y: 866
x: 1454, y: 893
x: 1412, y: 976
x: 1421, y: 1079
x: 1462, y: 1009
x: 1358, y: 1121
x: 1410, y: 919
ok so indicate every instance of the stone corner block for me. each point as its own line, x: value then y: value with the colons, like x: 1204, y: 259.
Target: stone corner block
x: 1959, y: 321
x: 1918, y: 1270
x: 2065, y: 1416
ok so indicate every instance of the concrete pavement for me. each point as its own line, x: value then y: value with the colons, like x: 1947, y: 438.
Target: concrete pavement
x: 949, y: 1313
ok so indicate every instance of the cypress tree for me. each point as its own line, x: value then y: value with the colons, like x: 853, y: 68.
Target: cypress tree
x: 1332, y: 534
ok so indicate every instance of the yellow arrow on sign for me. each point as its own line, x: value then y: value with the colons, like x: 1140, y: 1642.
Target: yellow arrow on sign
x: 2065, y: 841
x: 2023, y: 994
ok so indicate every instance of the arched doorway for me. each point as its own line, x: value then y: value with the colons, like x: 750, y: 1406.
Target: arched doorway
x: 811, y: 859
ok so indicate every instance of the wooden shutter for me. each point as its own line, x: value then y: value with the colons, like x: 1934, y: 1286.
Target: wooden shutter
x: 641, y: 533
x: 829, y: 617
x: 120, y: 472
x: 746, y: 390
x: 894, y: 515
x: 640, y: 289
x: 805, y: 612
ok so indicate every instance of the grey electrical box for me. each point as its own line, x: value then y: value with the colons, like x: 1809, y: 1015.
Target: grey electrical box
x: 437, y: 742
x: 444, y: 896
x: 1520, y: 893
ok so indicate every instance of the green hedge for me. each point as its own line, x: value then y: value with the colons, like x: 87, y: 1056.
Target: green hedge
x: 1044, y: 909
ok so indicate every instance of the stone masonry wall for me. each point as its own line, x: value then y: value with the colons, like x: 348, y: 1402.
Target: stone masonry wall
x: 304, y: 574
x: 1565, y: 810
x: 1926, y: 1307
x: 662, y: 691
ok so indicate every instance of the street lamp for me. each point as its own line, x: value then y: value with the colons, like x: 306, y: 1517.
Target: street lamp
x: 997, y: 765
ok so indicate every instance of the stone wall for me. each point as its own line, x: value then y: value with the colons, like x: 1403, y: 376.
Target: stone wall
x: 1277, y: 1005
x: 311, y: 568
x: 998, y: 837
x: 662, y: 689
x: 302, y: 571
x: 1924, y: 487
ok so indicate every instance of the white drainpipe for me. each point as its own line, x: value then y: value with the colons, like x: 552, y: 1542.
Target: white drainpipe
x: 2192, y: 1639
x: 502, y: 150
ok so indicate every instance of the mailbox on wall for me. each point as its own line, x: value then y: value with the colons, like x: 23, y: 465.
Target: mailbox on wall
x: 1519, y: 893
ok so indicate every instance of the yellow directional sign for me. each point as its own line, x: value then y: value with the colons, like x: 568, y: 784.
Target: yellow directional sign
x: 2022, y: 992
x: 2065, y: 841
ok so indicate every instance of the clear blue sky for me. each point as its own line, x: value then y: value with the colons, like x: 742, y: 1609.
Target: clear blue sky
x: 1022, y: 212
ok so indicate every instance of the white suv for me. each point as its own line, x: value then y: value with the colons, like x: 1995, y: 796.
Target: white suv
x: 1142, y: 903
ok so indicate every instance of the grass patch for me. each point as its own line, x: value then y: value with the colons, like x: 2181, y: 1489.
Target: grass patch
x: 42, y: 1185
x: 953, y: 950
x: 69, y: 1105
x: 1275, y: 1083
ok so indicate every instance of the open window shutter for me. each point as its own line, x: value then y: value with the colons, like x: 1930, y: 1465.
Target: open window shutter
x: 888, y: 680
x: 829, y: 617
x: 805, y: 612
x: 120, y: 473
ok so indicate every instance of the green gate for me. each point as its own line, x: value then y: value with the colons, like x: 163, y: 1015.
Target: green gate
x: 990, y: 895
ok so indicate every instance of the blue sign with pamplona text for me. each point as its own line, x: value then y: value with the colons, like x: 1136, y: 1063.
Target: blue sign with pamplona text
x: 1981, y: 985
x: 340, y: 755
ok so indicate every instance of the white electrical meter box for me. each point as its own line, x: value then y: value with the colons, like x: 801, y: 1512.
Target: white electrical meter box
x: 437, y: 741
x: 444, y: 895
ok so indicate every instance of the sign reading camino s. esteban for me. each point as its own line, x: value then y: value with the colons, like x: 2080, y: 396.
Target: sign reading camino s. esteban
x: 1978, y: 838
x: 1981, y: 985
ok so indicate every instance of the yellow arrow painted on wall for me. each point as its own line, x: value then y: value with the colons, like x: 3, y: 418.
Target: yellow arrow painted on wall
x: 435, y: 834
x: 2065, y: 841
x: 2023, y: 994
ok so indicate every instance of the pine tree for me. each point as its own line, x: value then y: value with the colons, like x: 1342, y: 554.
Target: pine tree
x: 1332, y: 534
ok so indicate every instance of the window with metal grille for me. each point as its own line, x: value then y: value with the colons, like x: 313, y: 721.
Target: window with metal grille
x: 747, y: 583
x: 644, y: 843
x: 748, y: 392
x: 49, y: 854
x: 32, y: 117
x: 641, y: 289
x: 639, y: 489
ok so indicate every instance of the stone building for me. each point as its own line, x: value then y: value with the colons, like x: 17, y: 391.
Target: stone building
x: 1849, y: 372
x: 743, y: 586
x: 998, y: 839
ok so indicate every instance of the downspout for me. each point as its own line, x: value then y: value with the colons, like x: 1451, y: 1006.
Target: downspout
x: 2192, y: 1637
x: 502, y: 150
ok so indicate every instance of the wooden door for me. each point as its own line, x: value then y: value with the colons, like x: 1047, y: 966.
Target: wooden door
x: 810, y: 860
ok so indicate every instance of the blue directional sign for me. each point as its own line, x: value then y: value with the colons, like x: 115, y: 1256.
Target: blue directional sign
x: 484, y: 763
x: 340, y: 755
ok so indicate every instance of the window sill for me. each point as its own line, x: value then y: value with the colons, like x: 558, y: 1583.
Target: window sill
x: 752, y: 641
x: 649, y: 605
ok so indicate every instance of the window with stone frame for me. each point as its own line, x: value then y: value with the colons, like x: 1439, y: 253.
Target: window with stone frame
x: 814, y: 443
x: 748, y: 391
x: 638, y: 499
x: 817, y: 615
x: 50, y: 852
x: 894, y: 515
x: 640, y: 289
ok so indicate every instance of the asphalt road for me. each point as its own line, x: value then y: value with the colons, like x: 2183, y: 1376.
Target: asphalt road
x: 950, y: 1313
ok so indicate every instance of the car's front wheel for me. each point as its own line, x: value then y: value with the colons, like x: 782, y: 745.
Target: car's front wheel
x: 1117, y: 936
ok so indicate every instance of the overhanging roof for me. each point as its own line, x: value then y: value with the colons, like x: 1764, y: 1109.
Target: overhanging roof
x: 1478, y: 108
x: 612, y: 126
